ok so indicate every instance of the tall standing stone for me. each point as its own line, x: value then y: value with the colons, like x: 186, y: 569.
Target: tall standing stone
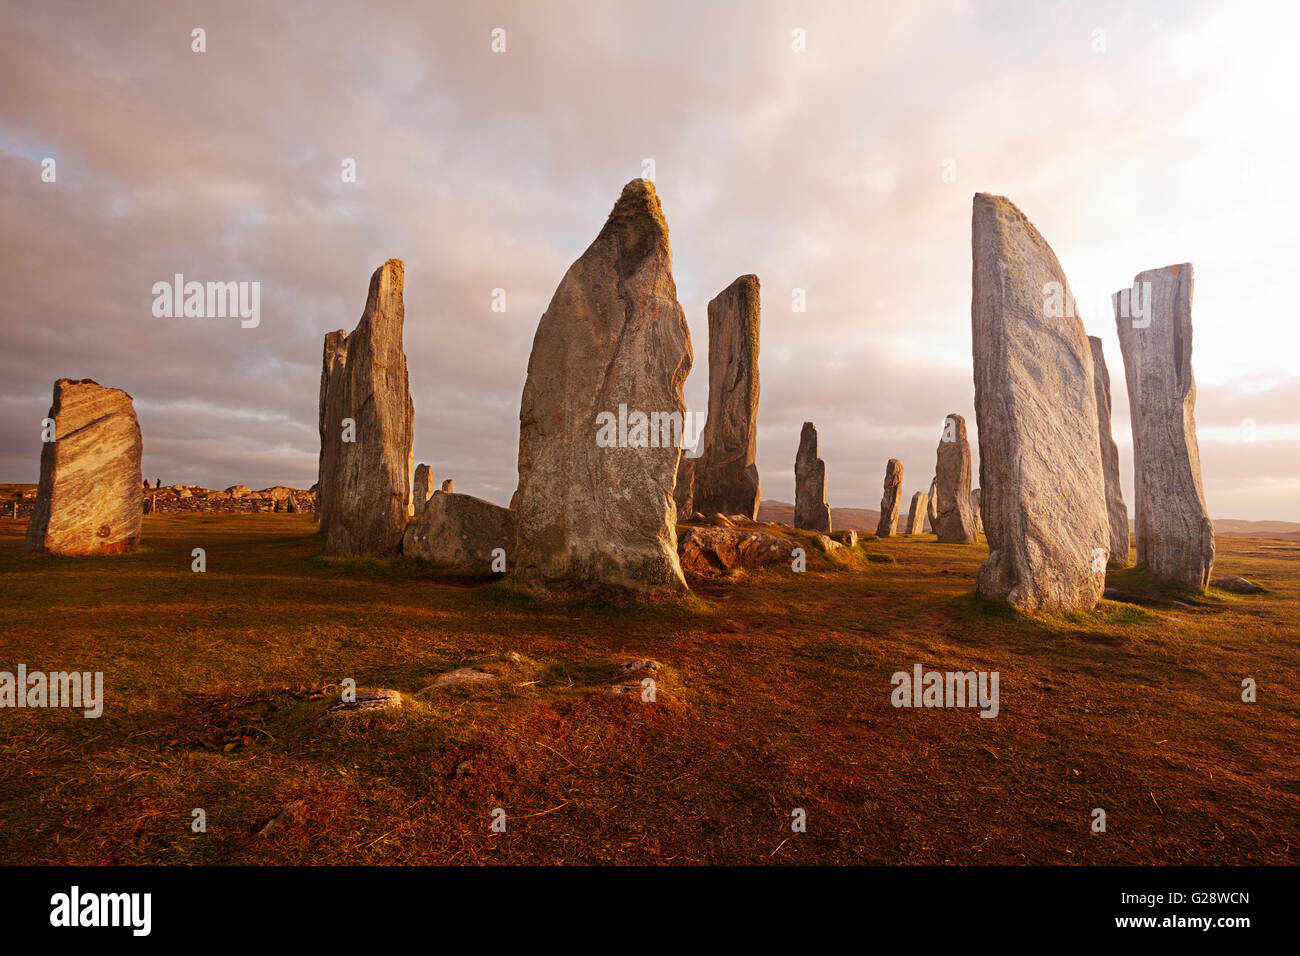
x: 932, y: 504
x: 1116, y: 511
x: 892, y: 500
x: 975, y: 508
x: 91, y: 496
x: 333, y: 357
x: 916, y: 513
x: 1175, y: 538
x: 421, y: 488
x: 1041, y: 486
x: 726, y: 478
x: 597, y: 508
x: 365, y: 482
x: 810, y: 509
x: 954, y: 519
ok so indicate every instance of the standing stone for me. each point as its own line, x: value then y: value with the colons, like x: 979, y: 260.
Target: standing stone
x: 932, y: 504
x: 1175, y: 538
x: 91, y: 495
x: 684, y: 489
x: 975, y: 507
x: 916, y: 513
x: 954, y: 518
x: 333, y: 357
x: 892, y: 500
x: 365, y: 484
x: 1042, y: 490
x: 810, y: 510
x: 421, y: 487
x: 595, y: 500
x: 726, y: 479
x: 1116, y: 511
x: 448, y: 486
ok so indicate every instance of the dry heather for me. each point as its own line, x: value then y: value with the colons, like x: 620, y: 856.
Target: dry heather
x: 775, y: 694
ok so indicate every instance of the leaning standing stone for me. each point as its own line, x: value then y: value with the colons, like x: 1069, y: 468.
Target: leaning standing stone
x: 916, y: 513
x: 91, y: 497
x: 421, y: 487
x: 1175, y: 538
x: 892, y: 500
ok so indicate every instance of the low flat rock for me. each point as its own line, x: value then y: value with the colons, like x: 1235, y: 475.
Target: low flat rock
x: 459, y: 529
x: 1236, y: 585
x: 709, y: 550
x: 461, y: 675
x: 367, y: 701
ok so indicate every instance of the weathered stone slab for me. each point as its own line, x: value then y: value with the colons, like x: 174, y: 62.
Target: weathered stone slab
x: 892, y: 500
x: 710, y: 550
x: 954, y: 517
x: 1041, y: 486
x: 684, y: 488
x: 1175, y: 538
x: 811, y: 512
x: 916, y: 513
x: 459, y: 529
x: 726, y: 477
x: 1116, y: 510
x: 596, y: 503
x: 91, y: 495
x: 365, y: 482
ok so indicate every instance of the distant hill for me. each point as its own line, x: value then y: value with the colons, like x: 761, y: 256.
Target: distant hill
x: 858, y: 519
x: 866, y: 519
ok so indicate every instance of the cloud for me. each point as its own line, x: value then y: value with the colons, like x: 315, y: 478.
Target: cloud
x: 818, y: 171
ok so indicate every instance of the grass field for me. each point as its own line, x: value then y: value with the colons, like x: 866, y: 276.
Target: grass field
x: 775, y: 695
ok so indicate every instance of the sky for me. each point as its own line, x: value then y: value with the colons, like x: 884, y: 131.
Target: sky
x: 831, y: 148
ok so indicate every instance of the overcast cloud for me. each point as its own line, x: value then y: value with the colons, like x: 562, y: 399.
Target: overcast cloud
x: 818, y: 170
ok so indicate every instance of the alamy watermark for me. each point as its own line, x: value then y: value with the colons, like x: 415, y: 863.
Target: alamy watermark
x: 637, y: 429
x: 946, y: 689
x: 75, y: 689
x: 213, y: 300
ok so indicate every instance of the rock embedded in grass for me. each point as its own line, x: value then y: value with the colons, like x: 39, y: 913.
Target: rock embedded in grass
x: 707, y: 550
x: 462, y: 675
x: 1236, y: 585
x: 459, y: 529
x: 366, y: 702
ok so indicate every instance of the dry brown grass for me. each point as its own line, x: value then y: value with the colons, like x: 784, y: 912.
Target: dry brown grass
x: 776, y: 696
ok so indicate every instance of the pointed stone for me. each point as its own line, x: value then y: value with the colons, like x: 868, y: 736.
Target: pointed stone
x: 727, y: 476
x: 1116, y: 510
x: 916, y: 513
x: 333, y: 356
x: 613, y: 334
x: 810, y: 510
x: 892, y: 500
x: 91, y: 496
x: 684, y: 489
x: 954, y: 519
x: 1042, y: 491
x: 365, y: 484
x: 1175, y: 538
x: 932, y: 504
x: 421, y: 488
